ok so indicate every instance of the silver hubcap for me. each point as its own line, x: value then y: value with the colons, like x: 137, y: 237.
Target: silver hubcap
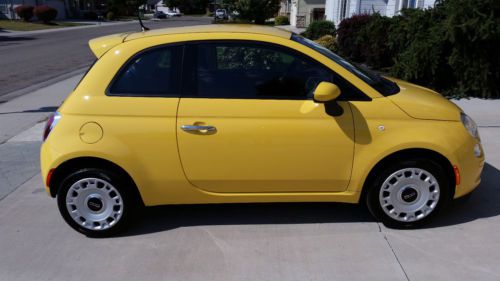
x: 409, y: 194
x: 94, y: 203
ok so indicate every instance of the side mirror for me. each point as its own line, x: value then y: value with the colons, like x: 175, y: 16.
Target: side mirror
x: 326, y: 92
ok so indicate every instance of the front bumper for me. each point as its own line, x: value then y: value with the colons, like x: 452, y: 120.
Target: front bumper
x: 470, y: 166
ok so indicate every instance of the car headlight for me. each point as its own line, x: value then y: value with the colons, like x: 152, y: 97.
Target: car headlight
x: 470, y: 125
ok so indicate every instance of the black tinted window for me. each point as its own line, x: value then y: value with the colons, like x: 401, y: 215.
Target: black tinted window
x: 155, y: 72
x: 261, y: 71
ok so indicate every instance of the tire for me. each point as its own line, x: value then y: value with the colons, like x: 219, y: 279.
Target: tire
x: 408, y: 193
x: 101, y: 202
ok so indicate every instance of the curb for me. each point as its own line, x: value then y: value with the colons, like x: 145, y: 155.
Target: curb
x: 12, y: 95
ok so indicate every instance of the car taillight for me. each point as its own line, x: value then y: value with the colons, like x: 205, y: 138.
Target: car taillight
x: 51, y: 123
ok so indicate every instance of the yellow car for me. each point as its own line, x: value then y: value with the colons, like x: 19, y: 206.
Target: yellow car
x: 243, y: 113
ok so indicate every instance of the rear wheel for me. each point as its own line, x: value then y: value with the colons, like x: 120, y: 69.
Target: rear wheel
x: 408, y: 193
x: 95, y: 202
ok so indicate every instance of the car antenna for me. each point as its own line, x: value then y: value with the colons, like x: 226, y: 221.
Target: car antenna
x: 143, y: 28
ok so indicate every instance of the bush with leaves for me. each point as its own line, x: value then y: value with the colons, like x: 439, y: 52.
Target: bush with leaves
x: 257, y: 11
x: 329, y: 42
x: 25, y: 12
x: 281, y: 20
x: 472, y: 29
x: 348, y: 33
x: 45, y: 13
x: 318, y: 29
x: 417, y: 37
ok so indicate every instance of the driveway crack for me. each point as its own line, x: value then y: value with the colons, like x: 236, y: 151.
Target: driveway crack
x: 393, y: 252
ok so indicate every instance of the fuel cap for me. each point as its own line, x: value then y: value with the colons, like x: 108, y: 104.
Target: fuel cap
x: 91, y: 132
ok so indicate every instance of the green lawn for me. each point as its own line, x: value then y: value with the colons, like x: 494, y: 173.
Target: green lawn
x: 17, y: 25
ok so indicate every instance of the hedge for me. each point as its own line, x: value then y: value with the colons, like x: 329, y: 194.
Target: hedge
x: 25, y: 12
x: 45, y: 13
x: 318, y: 29
x: 452, y: 48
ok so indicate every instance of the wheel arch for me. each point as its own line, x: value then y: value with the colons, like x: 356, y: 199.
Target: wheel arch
x: 75, y: 164
x: 407, y: 154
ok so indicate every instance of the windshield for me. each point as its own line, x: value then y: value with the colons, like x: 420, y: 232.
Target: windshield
x: 379, y: 83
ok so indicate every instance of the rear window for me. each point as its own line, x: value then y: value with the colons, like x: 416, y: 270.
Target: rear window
x: 155, y: 72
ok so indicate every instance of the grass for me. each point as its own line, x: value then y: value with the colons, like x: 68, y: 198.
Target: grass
x: 18, y: 25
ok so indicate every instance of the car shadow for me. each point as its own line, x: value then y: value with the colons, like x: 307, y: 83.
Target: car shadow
x: 483, y: 203
x: 41, y: 109
x: 156, y: 219
x: 12, y: 40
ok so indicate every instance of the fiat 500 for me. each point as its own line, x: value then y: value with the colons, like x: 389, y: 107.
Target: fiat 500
x: 243, y: 113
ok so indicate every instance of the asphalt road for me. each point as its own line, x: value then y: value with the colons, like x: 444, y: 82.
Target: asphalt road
x: 31, y: 59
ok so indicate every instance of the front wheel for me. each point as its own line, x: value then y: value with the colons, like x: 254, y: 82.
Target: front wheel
x: 95, y: 202
x: 408, y: 193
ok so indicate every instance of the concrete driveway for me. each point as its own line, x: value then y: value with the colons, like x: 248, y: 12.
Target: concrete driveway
x: 237, y: 242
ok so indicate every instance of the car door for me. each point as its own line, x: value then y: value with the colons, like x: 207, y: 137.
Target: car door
x: 247, y: 122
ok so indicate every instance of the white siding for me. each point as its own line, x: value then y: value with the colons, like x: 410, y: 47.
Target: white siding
x: 384, y: 7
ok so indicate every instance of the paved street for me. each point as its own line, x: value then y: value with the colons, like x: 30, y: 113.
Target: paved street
x: 30, y: 59
x: 236, y: 242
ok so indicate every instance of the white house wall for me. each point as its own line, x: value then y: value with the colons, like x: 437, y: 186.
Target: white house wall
x: 384, y: 7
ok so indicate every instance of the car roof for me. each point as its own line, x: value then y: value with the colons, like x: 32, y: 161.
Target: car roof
x: 213, y: 28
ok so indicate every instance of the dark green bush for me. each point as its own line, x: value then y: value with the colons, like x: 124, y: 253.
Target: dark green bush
x: 90, y: 15
x: 372, y: 42
x: 45, y: 13
x: 25, y: 12
x: 472, y: 29
x: 348, y: 33
x: 452, y: 47
x: 421, y: 50
x: 281, y: 20
x: 257, y: 11
x: 110, y: 15
x: 318, y: 29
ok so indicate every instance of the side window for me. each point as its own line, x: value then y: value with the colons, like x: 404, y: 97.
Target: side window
x: 253, y: 70
x: 260, y: 71
x: 155, y: 72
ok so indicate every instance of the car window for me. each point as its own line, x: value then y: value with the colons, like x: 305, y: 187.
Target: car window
x: 255, y: 70
x: 155, y: 72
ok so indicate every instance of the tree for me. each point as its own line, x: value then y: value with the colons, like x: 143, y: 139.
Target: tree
x: 172, y: 4
x: 257, y: 11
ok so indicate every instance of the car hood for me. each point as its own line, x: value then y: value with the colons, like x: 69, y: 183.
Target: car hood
x: 422, y: 103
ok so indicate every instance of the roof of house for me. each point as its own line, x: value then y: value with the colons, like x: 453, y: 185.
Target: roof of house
x: 214, y: 28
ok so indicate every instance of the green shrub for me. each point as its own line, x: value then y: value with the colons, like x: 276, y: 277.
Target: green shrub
x: 90, y: 15
x: 318, y: 29
x: 257, y: 11
x: 417, y: 38
x: 348, y: 33
x: 25, y: 12
x: 110, y: 15
x: 372, y: 42
x: 281, y: 20
x: 45, y: 13
x: 329, y: 42
x: 472, y: 29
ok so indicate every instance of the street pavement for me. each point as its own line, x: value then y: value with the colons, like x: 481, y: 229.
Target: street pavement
x: 306, y: 241
x: 40, y: 56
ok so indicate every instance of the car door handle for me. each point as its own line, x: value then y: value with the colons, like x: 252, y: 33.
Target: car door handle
x: 198, y: 129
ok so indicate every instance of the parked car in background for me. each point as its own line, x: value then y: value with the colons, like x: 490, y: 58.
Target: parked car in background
x: 245, y: 113
x: 160, y: 15
x: 173, y: 14
x: 221, y: 14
